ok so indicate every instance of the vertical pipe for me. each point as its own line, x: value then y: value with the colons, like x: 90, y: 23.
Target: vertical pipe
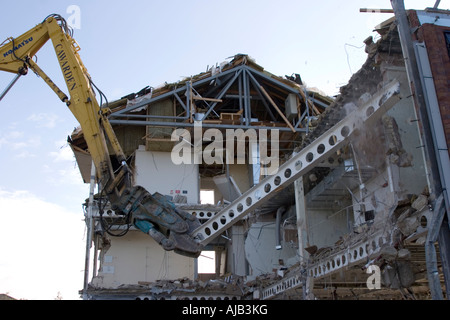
x: 280, y: 211
x: 90, y: 228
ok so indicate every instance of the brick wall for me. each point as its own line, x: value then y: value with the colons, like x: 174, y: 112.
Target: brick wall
x: 439, y: 58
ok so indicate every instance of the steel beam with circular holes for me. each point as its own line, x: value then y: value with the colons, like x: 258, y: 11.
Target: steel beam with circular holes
x: 300, y: 163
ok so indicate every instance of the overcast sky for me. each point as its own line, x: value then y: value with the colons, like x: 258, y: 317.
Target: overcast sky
x: 126, y: 46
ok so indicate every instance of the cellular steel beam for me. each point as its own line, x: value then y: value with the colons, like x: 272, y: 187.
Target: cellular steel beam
x: 300, y: 163
x: 354, y: 254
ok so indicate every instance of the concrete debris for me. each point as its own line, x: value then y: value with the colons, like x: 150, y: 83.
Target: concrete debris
x: 396, y: 152
x: 420, y: 202
x: 421, y: 240
x: 389, y: 253
x: 409, y: 219
x: 409, y: 225
x: 398, y: 275
x: 311, y: 250
x: 232, y: 286
x: 404, y: 254
x: 361, y: 229
x: 408, y: 222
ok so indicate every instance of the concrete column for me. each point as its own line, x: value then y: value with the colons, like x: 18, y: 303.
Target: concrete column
x: 219, y: 255
x: 302, y: 222
x: 238, y: 260
x: 303, y: 239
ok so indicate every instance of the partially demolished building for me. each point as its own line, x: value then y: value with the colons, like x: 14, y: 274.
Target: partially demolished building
x: 356, y: 208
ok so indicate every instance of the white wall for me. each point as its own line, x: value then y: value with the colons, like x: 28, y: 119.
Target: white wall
x: 260, y: 249
x: 381, y: 195
x: 395, y: 183
x: 412, y: 180
x: 236, y: 256
x: 156, y: 172
x: 137, y: 257
x: 325, y: 227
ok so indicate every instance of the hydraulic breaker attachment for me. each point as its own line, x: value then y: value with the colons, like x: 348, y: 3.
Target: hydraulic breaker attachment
x: 157, y: 216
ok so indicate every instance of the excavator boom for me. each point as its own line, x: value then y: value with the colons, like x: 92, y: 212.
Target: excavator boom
x: 153, y: 214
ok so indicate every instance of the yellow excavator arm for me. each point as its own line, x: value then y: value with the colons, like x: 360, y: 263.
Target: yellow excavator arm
x: 16, y: 57
x: 153, y: 214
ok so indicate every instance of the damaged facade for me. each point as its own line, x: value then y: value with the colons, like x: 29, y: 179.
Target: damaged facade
x: 356, y: 210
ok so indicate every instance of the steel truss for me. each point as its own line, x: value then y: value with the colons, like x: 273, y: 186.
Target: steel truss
x: 246, y: 79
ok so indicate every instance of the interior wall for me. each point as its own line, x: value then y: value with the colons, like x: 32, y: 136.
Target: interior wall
x: 156, y: 172
x: 381, y: 195
x: 136, y: 257
x: 325, y: 227
x: 392, y: 147
x: 240, y: 174
x: 236, y: 262
x: 260, y: 250
x: 412, y: 179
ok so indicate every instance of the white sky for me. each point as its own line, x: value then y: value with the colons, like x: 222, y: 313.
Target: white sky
x: 127, y: 45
